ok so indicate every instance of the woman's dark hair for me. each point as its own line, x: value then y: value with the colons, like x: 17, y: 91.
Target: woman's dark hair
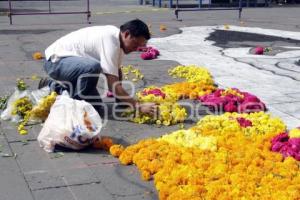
x: 136, y: 28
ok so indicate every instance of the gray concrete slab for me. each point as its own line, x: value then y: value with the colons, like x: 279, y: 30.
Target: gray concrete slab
x: 47, y: 170
x: 12, y: 184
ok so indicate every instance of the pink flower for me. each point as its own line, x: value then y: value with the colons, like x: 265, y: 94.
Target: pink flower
x: 282, y: 137
x: 277, y: 146
x: 250, y: 98
x: 147, y: 56
x: 286, y: 146
x: 294, y: 144
x: 148, y: 53
x: 154, y: 52
x: 155, y: 92
x: 233, y: 103
x: 259, y: 50
x: 218, y: 92
x: 109, y: 94
x: 230, y: 107
x: 244, y: 122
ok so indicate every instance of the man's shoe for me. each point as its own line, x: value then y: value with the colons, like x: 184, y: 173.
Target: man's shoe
x: 44, y: 82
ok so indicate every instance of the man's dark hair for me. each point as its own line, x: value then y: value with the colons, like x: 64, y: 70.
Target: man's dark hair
x: 136, y: 28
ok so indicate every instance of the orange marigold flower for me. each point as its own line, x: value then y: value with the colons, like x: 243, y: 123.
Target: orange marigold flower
x: 162, y: 27
x: 116, y: 150
x: 126, y: 157
x: 104, y: 143
x: 146, y: 176
x: 37, y: 56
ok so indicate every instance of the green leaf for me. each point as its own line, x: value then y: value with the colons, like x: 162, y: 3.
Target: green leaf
x: 57, y: 155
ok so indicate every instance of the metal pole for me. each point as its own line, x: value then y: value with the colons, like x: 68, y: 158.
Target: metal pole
x: 159, y: 3
x: 200, y: 3
x: 240, y: 9
x: 9, y: 13
x: 171, y: 3
x: 153, y: 2
x: 176, y: 10
x: 88, y: 12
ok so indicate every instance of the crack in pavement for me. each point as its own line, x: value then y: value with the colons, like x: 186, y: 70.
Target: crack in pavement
x: 67, y: 185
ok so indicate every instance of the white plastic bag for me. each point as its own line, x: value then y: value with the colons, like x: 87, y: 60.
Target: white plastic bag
x: 71, y: 123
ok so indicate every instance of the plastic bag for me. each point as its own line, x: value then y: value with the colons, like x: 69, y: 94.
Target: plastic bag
x: 37, y: 95
x: 7, y: 113
x: 71, y: 123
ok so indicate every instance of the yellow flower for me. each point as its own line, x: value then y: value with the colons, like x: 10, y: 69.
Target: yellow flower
x: 294, y: 133
x: 23, y: 132
x: 192, y: 73
x: 129, y: 72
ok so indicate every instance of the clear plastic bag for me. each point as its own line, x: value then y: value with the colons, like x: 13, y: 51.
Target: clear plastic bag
x: 7, y: 113
x: 35, y: 96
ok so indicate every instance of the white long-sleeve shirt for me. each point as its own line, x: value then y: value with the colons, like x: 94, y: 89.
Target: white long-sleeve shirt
x: 100, y: 43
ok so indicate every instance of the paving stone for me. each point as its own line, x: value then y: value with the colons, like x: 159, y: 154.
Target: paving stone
x: 13, y: 184
x: 45, y: 170
x: 123, y: 180
x: 54, y: 193
x: 10, y: 130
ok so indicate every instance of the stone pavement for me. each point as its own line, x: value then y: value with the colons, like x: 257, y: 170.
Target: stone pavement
x: 31, y: 173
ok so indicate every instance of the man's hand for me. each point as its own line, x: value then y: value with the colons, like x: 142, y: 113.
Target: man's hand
x: 147, y: 108
x: 115, y: 86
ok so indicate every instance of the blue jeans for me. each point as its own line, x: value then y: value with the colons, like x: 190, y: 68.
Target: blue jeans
x: 77, y: 75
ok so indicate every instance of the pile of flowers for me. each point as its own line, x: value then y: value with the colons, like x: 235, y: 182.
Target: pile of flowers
x: 131, y: 73
x: 241, y: 166
x: 232, y: 100
x: 248, y: 124
x: 192, y: 73
x: 189, y: 138
x: 168, y: 113
x: 288, y: 144
x: 199, y: 82
x: 38, y: 112
x: 154, y: 94
x: 22, y: 106
x: 148, y: 53
x: 188, y: 90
